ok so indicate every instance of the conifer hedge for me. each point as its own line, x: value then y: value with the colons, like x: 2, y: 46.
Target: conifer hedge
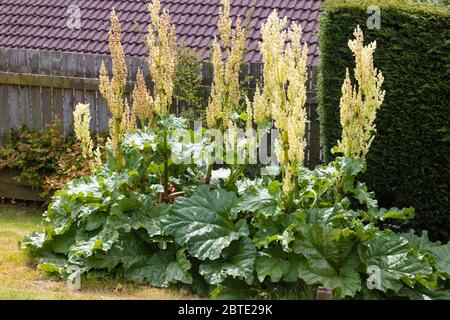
x: 409, y: 160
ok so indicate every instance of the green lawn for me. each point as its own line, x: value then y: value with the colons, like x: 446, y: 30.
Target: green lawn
x: 20, y: 280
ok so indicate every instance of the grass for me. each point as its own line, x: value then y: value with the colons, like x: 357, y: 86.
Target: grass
x: 296, y: 291
x: 19, y: 280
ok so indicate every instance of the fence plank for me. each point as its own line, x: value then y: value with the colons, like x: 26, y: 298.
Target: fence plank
x: 91, y: 100
x: 33, y: 58
x: 68, y: 105
x: 68, y: 68
x: 12, y: 61
x: 133, y: 63
x: 78, y: 62
x: 36, y: 108
x: 108, y: 64
x: 3, y: 59
x: 90, y: 62
x: 25, y: 106
x: 4, y: 110
x: 47, y: 113
x: 57, y: 102
x: 79, y: 97
x: 56, y: 63
x: 45, y: 65
x: 22, y: 62
x: 58, y: 95
x: 14, y: 112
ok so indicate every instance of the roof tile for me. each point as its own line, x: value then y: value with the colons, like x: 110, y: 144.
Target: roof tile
x: 43, y: 24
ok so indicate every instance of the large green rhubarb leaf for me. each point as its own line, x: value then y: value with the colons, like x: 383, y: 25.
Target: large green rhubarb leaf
x: 163, y: 268
x: 130, y: 251
x: 33, y: 242
x: 140, y: 140
x: 204, y: 222
x: 442, y: 256
x: 259, y: 200
x: 238, y: 261
x: 87, y: 188
x: 281, y: 230
x: 233, y: 289
x: 277, y: 265
x: 331, y: 259
x: 422, y: 293
x: 392, y: 254
x: 422, y: 243
x: 135, y: 220
x: 83, y: 249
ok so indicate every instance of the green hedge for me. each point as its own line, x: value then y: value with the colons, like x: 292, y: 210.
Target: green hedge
x: 409, y: 161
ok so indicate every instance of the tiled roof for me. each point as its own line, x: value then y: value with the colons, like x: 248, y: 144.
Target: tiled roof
x: 42, y: 24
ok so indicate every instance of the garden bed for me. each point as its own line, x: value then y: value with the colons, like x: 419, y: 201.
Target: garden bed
x: 12, y: 189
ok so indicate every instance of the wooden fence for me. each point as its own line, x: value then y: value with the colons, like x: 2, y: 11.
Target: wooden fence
x: 37, y: 87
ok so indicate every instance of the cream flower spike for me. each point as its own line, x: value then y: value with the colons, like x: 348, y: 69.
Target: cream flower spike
x: 359, y: 103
